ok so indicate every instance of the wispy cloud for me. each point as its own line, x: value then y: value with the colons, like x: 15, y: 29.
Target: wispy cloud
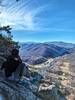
x: 24, y: 15
x: 19, y: 15
x: 49, y: 29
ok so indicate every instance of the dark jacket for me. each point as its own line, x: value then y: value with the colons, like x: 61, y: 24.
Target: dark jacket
x: 11, y: 64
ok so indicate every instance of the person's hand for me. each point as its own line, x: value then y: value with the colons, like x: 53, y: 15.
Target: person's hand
x: 16, y: 59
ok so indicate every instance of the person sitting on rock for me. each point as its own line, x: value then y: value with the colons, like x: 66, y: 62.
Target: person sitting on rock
x: 14, y: 64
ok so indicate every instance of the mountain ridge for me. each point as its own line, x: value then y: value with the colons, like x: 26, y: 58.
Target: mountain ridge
x: 35, y: 52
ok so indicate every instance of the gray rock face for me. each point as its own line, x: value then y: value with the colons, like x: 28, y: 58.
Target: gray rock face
x: 28, y: 90
x: 16, y: 91
x: 48, y: 92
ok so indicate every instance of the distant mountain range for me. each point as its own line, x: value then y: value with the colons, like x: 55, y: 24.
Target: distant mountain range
x: 36, y: 53
x: 63, y: 44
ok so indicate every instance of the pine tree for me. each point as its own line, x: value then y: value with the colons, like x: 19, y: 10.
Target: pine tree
x: 6, y: 28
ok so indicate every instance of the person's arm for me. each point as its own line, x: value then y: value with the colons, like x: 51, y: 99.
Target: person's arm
x: 5, y: 63
x: 19, y: 59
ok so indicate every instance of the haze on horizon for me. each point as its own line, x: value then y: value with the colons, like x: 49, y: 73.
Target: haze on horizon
x: 40, y: 20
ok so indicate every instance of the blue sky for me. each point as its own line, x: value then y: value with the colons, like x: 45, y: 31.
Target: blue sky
x: 40, y: 20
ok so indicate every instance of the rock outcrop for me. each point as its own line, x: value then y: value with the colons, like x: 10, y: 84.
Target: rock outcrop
x: 51, y: 80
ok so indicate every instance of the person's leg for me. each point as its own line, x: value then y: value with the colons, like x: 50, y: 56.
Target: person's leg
x: 18, y: 71
x: 22, y: 70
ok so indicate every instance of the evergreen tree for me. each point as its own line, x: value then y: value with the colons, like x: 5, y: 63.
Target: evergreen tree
x: 6, y: 28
